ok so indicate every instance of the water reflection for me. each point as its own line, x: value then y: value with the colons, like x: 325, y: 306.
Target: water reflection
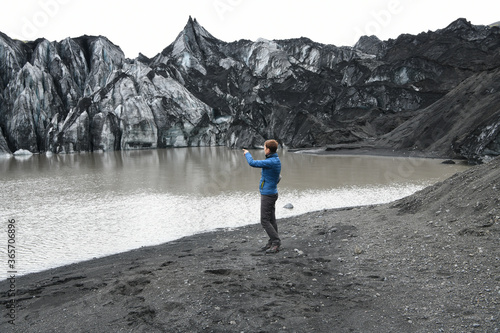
x: 78, y: 206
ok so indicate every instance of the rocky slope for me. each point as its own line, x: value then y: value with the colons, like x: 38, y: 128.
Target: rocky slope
x: 82, y: 94
x: 449, y: 128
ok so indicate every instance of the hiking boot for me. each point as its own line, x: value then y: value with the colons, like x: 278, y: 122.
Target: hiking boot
x: 273, y: 249
x: 266, y: 247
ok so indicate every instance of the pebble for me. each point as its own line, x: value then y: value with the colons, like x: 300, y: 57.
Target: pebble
x: 299, y: 252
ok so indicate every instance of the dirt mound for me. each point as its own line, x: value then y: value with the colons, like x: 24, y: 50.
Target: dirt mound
x: 468, y: 200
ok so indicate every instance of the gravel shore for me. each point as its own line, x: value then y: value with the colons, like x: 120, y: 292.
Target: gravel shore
x: 429, y: 262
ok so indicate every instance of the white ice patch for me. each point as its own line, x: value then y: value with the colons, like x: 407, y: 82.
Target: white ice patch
x: 227, y: 63
x: 186, y: 60
x: 223, y: 119
x: 402, y: 76
x: 22, y: 152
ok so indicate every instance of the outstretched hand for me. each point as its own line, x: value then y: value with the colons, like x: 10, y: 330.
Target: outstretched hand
x: 245, y: 151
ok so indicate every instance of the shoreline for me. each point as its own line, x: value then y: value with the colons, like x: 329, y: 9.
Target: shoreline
x: 368, y: 150
x: 301, y: 212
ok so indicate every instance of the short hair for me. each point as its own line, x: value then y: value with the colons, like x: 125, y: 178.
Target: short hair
x: 272, y: 145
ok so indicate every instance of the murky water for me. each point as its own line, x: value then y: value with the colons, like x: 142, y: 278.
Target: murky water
x: 69, y: 208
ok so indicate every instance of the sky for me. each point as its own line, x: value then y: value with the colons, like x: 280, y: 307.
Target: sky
x: 148, y: 26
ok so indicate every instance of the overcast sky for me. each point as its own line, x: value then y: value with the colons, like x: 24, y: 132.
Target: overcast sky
x: 148, y: 26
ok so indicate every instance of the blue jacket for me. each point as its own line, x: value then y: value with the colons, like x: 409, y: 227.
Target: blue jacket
x: 270, y: 174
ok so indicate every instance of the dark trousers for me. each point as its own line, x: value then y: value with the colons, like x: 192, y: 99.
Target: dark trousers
x: 268, y: 217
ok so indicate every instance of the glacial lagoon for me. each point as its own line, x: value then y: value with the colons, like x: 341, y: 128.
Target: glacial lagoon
x: 75, y: 207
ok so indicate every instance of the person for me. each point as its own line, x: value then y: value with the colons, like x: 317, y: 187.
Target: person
x: 268, y: 187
